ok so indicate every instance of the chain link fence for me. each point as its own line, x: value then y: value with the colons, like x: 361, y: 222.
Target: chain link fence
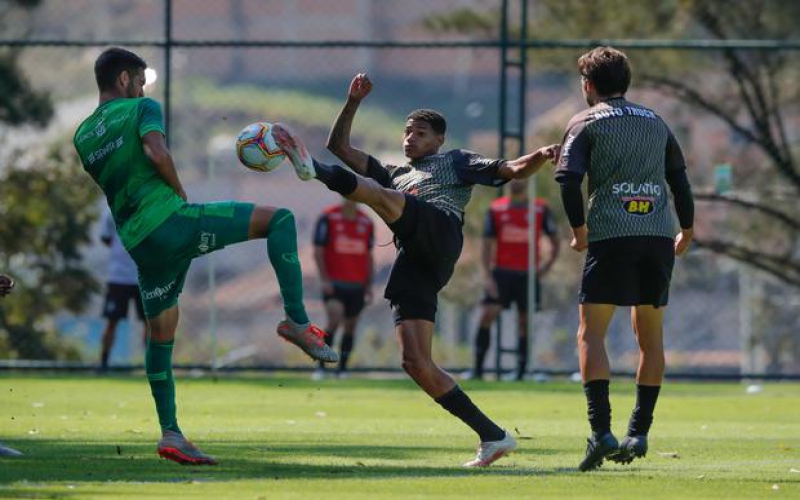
x: 724, y: 318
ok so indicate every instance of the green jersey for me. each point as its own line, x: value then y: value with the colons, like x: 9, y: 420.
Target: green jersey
x: 110, y: 146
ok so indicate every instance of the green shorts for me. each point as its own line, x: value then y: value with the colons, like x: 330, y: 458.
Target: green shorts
x: 164, y: 256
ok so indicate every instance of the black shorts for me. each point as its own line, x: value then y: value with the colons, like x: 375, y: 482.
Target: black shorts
x: 628, y: 271
x: 350, y: 295
x: 429, y: 244
x: 512, y: 287
x: 118, y: 297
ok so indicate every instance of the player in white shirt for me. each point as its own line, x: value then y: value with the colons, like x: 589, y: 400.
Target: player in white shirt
x: 122, y: 287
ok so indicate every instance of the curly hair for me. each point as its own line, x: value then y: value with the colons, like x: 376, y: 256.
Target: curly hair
x: 433, y: 118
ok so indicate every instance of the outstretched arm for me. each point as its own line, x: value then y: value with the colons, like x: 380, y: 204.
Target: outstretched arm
x: 339, y: 138
x: 155, y: 147
x: 526, y: 166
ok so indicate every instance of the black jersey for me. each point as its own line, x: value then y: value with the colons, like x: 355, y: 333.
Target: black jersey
x: 445, y: 180
x: 626, y: 150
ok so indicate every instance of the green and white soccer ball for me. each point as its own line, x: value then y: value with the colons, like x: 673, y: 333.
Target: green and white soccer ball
x: 256, y: 148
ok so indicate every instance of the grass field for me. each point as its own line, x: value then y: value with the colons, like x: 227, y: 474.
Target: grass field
x: 292, y: 438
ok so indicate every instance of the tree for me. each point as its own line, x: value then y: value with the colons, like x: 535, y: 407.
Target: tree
x: 47, y: 207
x: 19, y: 103
x: 752, y: 92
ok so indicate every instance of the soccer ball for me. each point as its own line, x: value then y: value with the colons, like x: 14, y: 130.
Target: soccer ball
x: 256, y: 148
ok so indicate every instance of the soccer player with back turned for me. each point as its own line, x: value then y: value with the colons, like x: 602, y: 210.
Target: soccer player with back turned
x: 123, y: 148
x: 423, y: 204
x: 630, y: 156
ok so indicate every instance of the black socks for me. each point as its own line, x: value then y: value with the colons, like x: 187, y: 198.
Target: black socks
x: 599, y: 407
x: 522, y: 356
x: 336, y: 178
x: 344, y: 350
x: 459, y: 404
x: 642, y: 416
x: 481, y: 347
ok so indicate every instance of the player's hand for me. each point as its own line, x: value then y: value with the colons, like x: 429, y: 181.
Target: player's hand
x: 360, y: 87
x: 683, y: 240
x: 551, y: 152
x: 491, y: 287
x: 6, y: 285
x: 327, y: 288
x: 580, y: 239
x: 368, y: 296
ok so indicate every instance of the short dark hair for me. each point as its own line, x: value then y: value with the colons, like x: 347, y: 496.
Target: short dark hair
x: 112, y: 62
x: 433, y: 118
x: 607, y: 69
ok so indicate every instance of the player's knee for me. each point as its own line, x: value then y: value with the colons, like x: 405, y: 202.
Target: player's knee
x: 415, y: 366
x: 282, y: 220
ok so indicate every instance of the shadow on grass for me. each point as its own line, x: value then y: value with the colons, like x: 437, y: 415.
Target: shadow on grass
x: 73, y: 461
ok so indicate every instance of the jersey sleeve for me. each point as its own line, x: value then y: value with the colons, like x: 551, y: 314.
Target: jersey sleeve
x: 472, y: 168
x: 674, y: 160
x: 489, y: 230
x: 675, y: 174
x: 575, y: 152
x: 321, y: 232
x: 150, y: 117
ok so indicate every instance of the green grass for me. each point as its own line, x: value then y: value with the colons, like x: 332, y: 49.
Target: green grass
x: 367, y: 439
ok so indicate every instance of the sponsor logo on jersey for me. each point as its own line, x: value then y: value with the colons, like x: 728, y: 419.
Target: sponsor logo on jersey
x: 158, y: 292
x: 514, y: 234
x: 638, y: 205
x: 349, y: 246
x: 629, y: 188
x: 567, y: 145
x: 207, y: 242
x: 105, y: 150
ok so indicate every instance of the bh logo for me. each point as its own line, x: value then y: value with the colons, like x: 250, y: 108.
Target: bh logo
x: 638, y: 206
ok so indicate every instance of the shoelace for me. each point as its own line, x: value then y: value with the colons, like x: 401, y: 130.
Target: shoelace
x: 319, y: 333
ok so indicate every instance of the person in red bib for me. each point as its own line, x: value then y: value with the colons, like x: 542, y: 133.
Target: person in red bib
x: 343, y: 242
x: 505, y: 262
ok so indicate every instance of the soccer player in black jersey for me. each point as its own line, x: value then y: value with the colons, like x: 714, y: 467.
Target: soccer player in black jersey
x: 423, y: 204
x: 630, y: 156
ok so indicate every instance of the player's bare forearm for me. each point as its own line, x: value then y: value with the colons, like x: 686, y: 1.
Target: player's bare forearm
x: 166, y: 169
x: 319, y: 258
x: 155, y: 147
x: 527, y: 165
x: 371, y: 270
x: 487, y: 256
x: 339, y: 138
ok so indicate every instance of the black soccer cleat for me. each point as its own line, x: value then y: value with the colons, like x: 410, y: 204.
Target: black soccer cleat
x: 631, y: 447
x: 598, y: 449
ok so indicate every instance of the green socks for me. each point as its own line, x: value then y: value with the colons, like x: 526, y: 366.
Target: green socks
x: 282, y: 249
x: 158, y: 366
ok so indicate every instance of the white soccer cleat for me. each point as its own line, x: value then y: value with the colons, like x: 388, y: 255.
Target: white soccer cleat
x: 490, y: 451
x: 294, y: 149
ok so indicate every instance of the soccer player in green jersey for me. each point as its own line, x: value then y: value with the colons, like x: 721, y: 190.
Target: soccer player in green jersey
x: 123, y: 148
x: 6, y: 285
